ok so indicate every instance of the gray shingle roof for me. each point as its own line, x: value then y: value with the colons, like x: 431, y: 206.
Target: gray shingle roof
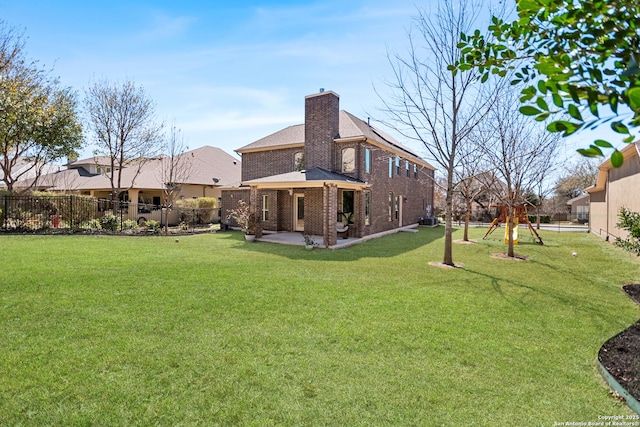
x: 205, y: 163
x: 349, y: 127
x: 315, y: 174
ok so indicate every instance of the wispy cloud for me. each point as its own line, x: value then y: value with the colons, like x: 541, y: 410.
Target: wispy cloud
x: 163, y: 26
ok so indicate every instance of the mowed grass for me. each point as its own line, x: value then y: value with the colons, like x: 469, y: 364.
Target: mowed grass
x: 108, y: 330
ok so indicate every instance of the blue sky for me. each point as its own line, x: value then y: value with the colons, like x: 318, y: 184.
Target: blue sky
x: 227, y: 72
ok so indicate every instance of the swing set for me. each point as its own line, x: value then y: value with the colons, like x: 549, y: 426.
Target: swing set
x: 521, y: 217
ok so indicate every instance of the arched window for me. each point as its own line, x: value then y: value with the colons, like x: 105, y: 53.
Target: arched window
x: 348, y: 159
x: 298, y: 161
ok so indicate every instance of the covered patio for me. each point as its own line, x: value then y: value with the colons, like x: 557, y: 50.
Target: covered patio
x: 314, y: 202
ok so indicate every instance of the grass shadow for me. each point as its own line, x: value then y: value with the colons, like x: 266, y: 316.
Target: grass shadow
x: 383, y: 247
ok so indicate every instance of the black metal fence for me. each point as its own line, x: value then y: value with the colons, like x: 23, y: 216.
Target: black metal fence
x: 80, y: 213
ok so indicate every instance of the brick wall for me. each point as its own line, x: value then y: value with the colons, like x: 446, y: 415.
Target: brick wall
x: 272, y: 222
x: 285, y: 210
x: 313, y: 211
x: 267, y: 163
x: 417, y: 191
x: 229, y: 200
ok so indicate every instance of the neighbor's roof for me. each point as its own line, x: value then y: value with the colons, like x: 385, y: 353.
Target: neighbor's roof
x: 203, y: 164
x: 308, y: 178
x: 96, y: 160
x: 577, y: 199
x: 350, y: 127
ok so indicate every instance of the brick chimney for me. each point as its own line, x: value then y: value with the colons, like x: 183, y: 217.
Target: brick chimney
x: 321, y: 117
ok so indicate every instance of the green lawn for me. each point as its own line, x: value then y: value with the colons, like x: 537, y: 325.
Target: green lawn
x: 104, y: 330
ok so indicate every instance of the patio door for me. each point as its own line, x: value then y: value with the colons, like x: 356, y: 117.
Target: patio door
x: 298, y: 212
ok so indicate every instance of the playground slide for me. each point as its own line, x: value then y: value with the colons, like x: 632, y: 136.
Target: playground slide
x: 514, y: 234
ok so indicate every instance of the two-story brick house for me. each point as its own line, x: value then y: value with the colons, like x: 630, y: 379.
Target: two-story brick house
x: 334, y: 168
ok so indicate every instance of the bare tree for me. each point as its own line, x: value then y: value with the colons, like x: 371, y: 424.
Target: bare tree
x: 175, y: 169
x: 519, y: 150
x: 473, y: 179
x: 541, y: 185
x: 576, y: 177
x: 122, y: 119
x: 430, y: 103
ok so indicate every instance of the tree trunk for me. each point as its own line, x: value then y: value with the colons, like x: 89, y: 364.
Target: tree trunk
x: 510, y: 224
x: 448, y: 225
x: 467, y: 219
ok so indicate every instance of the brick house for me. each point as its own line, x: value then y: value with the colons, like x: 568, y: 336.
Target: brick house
x: 333, y: 170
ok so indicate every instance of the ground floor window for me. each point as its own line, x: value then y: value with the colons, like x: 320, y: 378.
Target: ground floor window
x: 346, y: 206
x: 583, y: 212
x: 390, y: 206
x: 397, y: 207
x: 367, y: 208
x: 265, y: 208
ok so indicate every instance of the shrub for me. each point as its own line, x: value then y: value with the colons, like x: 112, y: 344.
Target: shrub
x: 109, y: 222
x: 129, y: 224
x: 544, y: 219
x: 92, y: 224
x: 199, y: 210
x: 242, y: 217
x: 74, y: 209
x: 629, y: 221
x: 152, y: 224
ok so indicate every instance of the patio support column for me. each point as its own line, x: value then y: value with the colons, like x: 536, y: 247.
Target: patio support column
x: 254, y: 198
x: 133, y: 195
x: 330, y: 204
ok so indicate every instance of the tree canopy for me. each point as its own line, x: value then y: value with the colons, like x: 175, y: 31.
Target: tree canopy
x: 38, y: 119
x: 575, y: 57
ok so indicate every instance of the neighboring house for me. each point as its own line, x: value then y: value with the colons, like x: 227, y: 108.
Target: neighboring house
x: 201, y: 174
x: 333, y: 170
x: 24, y: 169
x: 485, y: 189
x: 579, y: 208
x: 615, y: 188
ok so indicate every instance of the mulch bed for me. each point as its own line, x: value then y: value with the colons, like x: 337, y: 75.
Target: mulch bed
x: 621, y: 354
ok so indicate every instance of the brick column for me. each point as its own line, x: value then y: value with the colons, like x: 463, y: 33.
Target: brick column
x: 254, y: 199
x: 330, y: 204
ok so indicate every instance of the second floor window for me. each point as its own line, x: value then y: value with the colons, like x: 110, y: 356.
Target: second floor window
x: 348, y: 159
x: 407, y: 167
x: 298, y: 161
x: 367, y: 160
x: 397, y: 165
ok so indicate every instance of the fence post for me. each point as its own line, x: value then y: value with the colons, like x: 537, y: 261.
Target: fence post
x: 6, y: 211
x: 71, y: 212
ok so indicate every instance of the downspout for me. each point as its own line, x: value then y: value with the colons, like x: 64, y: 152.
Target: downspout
x: 608, y: 196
